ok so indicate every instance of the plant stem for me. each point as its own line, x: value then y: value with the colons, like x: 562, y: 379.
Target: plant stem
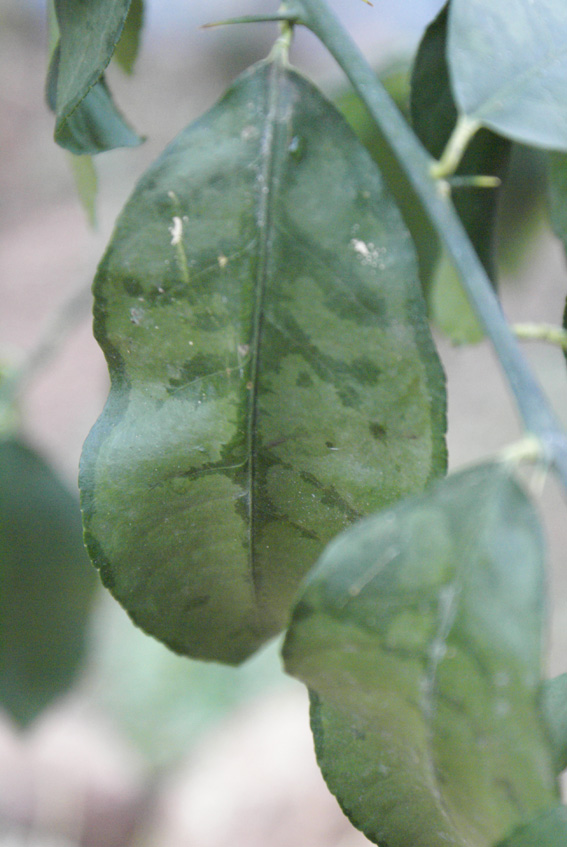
x: 541, y: 332
x: 535, y: 410
x: 464, y: 130
x: 475, y: 181
x: 251, y: 19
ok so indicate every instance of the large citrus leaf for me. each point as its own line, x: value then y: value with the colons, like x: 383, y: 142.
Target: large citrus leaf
x: 420, y: 633
x: 46, y: 583
x: 396, y: 82
x: 508, y: 64
x: 546, y: 830
x: 273, y: 377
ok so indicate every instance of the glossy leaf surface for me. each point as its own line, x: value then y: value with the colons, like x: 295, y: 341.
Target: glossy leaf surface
x: 87, y: 122
x: 547, y: 830
x: 46, y: 583
x: 420, y: 633
x: 508, y: 65
x: 273, y: 377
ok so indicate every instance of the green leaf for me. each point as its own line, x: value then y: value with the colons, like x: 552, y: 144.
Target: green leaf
x: 126, y: 51
x: 557, y: 173
x: 89, y: 33
x: 521, y: 209
x: 557, y: 192
x: 434, y: 116
x: 273, y: 376
x: 554, y: 705
x: 547, y: 830
x: 46, y: 583
x: 95, y: 126
x: 84, y: 174
x: 424, y: 236
x: 508, y: 65
x: 87, y: 122
x: 449, y: 306
x: 420, y: 633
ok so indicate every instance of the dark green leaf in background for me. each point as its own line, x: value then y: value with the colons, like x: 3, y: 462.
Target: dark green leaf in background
x: 521, y: 207
x: 557, y: 195
x: 546, y: 830
x: 554, y: 706
x: 273, y: 376
x: 434, y: 116
x: 46, y: 583
x: 508, y: 66
x: 557, y: 175
x: 87, y: 122
x: 420, y: 632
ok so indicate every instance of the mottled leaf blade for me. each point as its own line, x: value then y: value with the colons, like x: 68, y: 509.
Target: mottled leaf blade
x: 508, y: 64
x: 273, y: 376
x: 434, y: 116
x: 554, y: 707
x: 547, y: 830
x: 46, y: 583
x: 422, y: 232
x: 420, y: 633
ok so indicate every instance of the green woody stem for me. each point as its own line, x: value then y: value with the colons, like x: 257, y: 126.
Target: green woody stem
x: 533, y: 406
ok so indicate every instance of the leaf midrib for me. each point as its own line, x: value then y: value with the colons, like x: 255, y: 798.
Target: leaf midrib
x: 264, y: 212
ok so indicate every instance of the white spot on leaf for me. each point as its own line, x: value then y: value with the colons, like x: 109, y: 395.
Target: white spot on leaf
x: 368, y: 252
x: 360, y: 247
x: 249, y: 132
x: 176, y: 231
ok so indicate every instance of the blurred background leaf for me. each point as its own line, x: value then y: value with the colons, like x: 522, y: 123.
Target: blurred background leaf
x: 46, y: 583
